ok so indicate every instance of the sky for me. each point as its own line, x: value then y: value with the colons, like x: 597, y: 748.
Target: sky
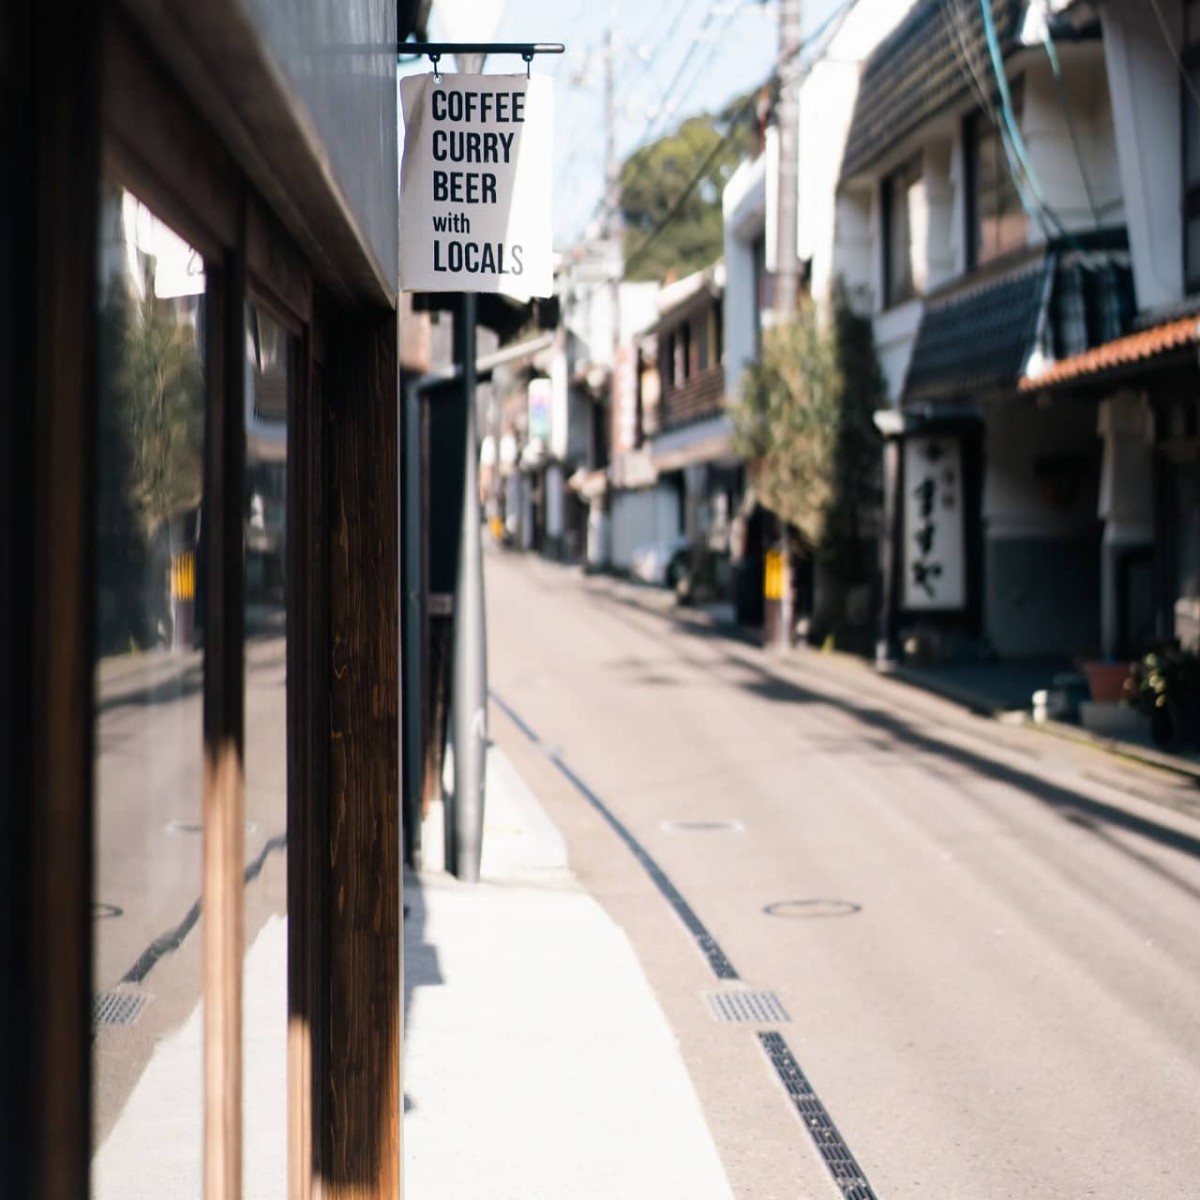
x: 674, y: 58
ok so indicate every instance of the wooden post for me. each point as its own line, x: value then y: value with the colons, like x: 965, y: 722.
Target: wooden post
x: 363, y: 914
x: 222, y: 924
x: 49, y: 134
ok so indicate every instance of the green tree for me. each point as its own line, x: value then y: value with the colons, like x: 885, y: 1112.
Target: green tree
x: 671, y: 193
x: 804, y: 422
x: 160, y: 385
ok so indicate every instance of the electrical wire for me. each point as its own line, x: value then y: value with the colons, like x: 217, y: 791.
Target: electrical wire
x: 657, y: 124
x: 827, y: 27
x: 1010, y: 130
x: 1192, y: 90
x: 1063, y: 99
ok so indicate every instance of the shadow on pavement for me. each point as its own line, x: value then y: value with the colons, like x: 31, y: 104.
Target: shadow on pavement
x: 421, y: 965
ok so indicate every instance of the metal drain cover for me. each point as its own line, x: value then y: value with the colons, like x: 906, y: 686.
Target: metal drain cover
x: 747, y: 1008
x: 117, y: 1008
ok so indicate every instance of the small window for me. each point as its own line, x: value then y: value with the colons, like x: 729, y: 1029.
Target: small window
x: 997, y: 222
x: 898, y: 282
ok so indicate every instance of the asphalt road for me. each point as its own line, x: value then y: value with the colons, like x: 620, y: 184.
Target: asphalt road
x: 984, y: 940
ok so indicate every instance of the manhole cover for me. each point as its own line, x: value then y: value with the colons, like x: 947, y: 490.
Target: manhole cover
x: 102, y: 911
x: 812, y: 908
x: 117, y: 1008
x: 757, y: 1008
x: 703, y: 826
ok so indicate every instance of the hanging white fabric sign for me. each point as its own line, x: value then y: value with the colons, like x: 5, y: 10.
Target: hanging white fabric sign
x: 934, y: 549
x: 475, y: 184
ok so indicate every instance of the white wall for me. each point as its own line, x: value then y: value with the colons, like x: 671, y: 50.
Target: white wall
x: 744, y: 212
x: 895, y: 337
x: 1067, y: 168
x: 854, y: 245
x: 1145, y: 86
x: 826, y: 107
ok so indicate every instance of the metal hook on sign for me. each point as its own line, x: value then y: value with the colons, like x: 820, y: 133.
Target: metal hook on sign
x: 435, y: 59
x: 528, y: 64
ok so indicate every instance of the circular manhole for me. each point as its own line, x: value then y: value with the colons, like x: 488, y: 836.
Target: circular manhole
x: 703, y: 826
x: 812, y: 908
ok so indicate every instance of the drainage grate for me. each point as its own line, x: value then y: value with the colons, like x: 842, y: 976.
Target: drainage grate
x: 748, y: 1008
x: 846, y: 1172
x: 117, y: 1008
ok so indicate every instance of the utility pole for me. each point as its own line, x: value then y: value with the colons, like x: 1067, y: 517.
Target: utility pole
x: 464, y: 831
x: 788, y: 114
x: 779, y: 573
x: 613, y: 230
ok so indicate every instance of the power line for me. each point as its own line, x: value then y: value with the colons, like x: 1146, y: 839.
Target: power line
x: 744, y: 109
x: 1192, y: 90
x: 664, y: 111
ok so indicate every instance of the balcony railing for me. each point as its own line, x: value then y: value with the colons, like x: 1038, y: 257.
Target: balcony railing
x: 700, y: 396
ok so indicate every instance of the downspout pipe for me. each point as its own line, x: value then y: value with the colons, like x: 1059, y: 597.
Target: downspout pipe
x: 411, y: 592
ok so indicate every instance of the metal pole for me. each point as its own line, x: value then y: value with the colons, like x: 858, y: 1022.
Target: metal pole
x: 785, y: 240
x: 789, y: 152
x: 412, y: 659
x: 464, y: 832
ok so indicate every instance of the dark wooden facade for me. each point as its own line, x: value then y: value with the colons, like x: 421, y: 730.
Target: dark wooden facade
x: 182, y: 105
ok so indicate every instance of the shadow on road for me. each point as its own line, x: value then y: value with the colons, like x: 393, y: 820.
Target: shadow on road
x: 1084, y: 812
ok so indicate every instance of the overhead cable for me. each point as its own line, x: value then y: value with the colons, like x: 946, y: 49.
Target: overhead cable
x: 831, y: 23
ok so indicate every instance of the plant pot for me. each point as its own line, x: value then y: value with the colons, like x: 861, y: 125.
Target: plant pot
x: 1106, y: 680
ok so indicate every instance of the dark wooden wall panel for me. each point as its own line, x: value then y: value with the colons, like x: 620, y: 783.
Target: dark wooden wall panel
x: 363, y: 919
x: 48, y: 626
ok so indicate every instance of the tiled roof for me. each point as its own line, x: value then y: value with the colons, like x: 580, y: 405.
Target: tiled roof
x: 979, y: 338
x: 918, y: 71
x: 1123, y: 352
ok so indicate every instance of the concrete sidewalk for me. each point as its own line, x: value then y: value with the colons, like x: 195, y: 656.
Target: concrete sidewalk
x: 538, y: 1064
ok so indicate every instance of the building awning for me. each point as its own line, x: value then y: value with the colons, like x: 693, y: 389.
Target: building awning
x: 978, y: 340
x: 918, y: 72
x: 984, y: 336
x: 1125, y: 352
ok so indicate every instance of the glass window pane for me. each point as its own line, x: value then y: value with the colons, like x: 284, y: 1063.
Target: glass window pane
x: 1191, y: 251
x: 1191, y: 34
x: 1191, y: 127
x: 268, y: 383
x: 149, y: 673
x: 1002, y: 223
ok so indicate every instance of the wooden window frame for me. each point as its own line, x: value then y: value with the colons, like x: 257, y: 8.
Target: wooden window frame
x: 972, y: 215
x: 98, y: 102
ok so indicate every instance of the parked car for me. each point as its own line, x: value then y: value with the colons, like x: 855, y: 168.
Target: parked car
x: 663, y: 563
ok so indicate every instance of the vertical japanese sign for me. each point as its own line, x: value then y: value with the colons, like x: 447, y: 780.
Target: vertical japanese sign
x: 475, y: 184
x: 933, y: 551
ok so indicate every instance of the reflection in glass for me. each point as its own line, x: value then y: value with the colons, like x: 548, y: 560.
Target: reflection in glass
x: 147, y: 1108
x: 265, y: 516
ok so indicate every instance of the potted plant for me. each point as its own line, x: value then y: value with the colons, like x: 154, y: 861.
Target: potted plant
x: 1165, y: 686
